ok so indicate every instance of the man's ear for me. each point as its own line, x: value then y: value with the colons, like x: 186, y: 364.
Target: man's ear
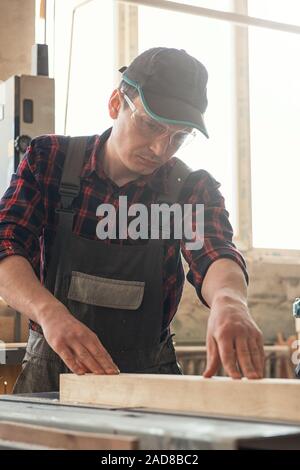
x: 114, y: 104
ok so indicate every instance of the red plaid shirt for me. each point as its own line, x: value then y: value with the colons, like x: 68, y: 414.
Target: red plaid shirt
x: 28, y: 219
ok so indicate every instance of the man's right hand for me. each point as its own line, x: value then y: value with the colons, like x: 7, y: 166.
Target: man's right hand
x: 77, y: 345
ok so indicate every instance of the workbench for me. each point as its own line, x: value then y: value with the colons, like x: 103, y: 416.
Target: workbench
x: 155, y: 430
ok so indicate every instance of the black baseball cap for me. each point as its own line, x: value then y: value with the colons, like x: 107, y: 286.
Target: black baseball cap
x: 172, y: 86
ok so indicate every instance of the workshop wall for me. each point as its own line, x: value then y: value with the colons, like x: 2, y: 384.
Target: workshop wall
x: 272, y: 289
x: 17, y: 35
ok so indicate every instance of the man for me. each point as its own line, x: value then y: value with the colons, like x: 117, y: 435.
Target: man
x: 105, y: 306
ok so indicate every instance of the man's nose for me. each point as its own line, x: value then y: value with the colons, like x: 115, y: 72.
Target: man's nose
x: 160, y: 144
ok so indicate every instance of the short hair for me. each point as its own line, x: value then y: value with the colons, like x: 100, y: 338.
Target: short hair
x: 130, y: 90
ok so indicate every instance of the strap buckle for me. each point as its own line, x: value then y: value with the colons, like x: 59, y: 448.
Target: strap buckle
x: 68, y: 192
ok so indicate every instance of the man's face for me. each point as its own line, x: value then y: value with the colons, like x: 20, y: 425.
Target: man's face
x: 138, y: 153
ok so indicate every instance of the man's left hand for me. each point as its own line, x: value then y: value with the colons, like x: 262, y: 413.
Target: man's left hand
x: 234, y: 340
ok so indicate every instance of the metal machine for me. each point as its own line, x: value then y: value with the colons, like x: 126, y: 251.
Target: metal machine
x: 26, y: 110
x: 154, y: 430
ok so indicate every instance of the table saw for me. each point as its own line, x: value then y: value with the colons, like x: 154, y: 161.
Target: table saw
x: 155, y: 430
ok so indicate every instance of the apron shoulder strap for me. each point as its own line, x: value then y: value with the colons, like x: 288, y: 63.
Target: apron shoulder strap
x: 70, y: 181
x: 69, y: 189
x: 176, y: 180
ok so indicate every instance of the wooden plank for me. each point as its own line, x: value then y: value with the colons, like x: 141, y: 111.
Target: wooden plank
x: 202, y: 349
x: 12, y: 346
x: 64, y: 438
x: 266, y: 399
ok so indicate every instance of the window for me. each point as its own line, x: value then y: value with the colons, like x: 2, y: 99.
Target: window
x: 283, y: 11
x: 274, y: 102
x: 214, y: 47
x: 274, y: 119
x: 222, y: 5
x: 92, y: 66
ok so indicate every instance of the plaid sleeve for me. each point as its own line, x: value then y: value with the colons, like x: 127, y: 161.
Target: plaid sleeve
x: 202, y: 188
x: 22, y: 211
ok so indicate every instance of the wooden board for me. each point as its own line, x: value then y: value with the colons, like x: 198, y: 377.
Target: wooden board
x: 274, y: 348
x: 64, y: 438
x: 266, y: 399
x: 12, y: 346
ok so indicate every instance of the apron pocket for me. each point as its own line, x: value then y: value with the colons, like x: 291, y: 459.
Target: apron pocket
x: 105, y: 292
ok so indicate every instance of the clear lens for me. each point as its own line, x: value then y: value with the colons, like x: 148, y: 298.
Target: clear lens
x: 149, y: 128
x: 152, y: 129
x: 182, y: 139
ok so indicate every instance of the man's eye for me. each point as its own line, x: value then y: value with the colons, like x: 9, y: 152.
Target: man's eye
x: 179, y: 138
x: 153, y: 127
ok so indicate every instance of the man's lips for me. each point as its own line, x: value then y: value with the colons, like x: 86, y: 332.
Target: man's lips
x: 149, y: 161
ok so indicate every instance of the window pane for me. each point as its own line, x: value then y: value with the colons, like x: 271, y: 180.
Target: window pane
x: 275, y: 137
x: 212, y: 43
x: 92, y: 71
x: 39, y: 23
x: 221, y: 5
x: 283, y: 11
x: 62, y: 34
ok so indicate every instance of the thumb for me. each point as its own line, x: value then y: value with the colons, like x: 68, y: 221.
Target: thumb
x: 213, y: 358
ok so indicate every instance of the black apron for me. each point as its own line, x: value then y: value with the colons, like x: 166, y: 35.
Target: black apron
x: 117, y: 291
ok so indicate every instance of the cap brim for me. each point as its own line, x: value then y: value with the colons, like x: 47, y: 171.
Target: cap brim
x: 172, y: 111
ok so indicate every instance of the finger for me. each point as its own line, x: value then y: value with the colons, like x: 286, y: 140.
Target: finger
x: 69, y: 359
x: 83, y: 356
x: 102, y: 357
x: 228, y: 357
x: 213, y: 358
x: 260, y: 345
x: 82, y: 366
x: 256, y: 358
x: 244, y: 358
